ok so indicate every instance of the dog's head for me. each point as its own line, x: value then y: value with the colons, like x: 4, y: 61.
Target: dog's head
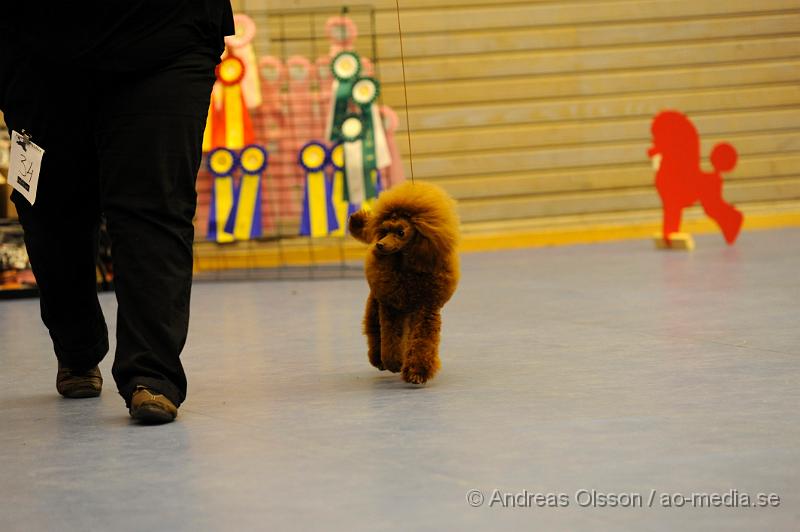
x: 675, y: 138
x: 417, y: 220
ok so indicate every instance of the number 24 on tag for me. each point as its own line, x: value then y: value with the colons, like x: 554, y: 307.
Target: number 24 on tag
x: 25, y: 165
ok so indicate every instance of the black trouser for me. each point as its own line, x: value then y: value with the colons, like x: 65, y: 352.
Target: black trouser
x: 128, y: 146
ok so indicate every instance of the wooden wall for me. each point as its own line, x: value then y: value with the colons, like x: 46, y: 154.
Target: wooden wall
x: 537, y: 108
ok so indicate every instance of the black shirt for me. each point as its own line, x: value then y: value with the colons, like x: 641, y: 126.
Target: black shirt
x: 115, y: 35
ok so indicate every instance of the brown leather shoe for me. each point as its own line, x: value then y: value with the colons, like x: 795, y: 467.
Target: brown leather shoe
x: 78, y: 384
x: 151, y: 408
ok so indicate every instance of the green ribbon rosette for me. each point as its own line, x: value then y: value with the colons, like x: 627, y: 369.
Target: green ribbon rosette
x: 376, y: 147
x: 358, y: 184
x: 346, y: 67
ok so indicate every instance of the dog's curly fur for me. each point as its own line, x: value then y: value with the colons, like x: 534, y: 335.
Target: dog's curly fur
x: 412, y: 271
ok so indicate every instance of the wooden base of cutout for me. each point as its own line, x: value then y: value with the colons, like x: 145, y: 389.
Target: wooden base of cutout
x: 678, y: 241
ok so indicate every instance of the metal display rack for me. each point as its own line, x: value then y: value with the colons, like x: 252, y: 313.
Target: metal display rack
x: 281, y: 253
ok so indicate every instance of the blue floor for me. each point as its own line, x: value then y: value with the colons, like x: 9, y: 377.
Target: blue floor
x: 608, y: 367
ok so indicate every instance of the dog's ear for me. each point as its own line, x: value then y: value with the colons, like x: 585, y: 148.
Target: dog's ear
x: 441, y: 236
x: 358, y: 226
x: 434, y: 242
x: 423, y: 254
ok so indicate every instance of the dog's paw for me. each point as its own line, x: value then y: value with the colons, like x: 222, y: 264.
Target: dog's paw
x: 375, y: 360
x: 392, y: 365
x: 417, y: 374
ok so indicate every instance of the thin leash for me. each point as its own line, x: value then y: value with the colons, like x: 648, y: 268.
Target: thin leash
x: 405, y: 92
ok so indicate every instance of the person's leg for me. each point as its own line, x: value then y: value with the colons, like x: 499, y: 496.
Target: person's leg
x: 61, y: 228
x: 149, y: 138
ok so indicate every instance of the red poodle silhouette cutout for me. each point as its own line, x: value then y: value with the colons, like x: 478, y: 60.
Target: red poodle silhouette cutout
x: 680, y: 180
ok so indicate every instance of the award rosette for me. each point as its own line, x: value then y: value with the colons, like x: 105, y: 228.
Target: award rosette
x: 254, y: 159
x: 222, y: 163
x: 359, y: 186
x: 376, y: 148
x: 340, y: 205
x: 319, y: 216
x: 346, y: 67
x: 342, y: 32
x: 394, y: 174
x: 214, y: 133
x: 299, y: 97
x: 241, y: 44
x: 229, y: 119
x: 245, y: 221
x: 230, y: 71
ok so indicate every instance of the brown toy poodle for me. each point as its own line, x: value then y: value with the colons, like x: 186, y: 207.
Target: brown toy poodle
x: 412, y: 270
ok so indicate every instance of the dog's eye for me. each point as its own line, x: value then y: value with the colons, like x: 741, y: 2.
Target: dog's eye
x: 400, y: 233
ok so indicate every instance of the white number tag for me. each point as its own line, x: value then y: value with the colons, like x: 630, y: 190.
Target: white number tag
x: 25, y: 164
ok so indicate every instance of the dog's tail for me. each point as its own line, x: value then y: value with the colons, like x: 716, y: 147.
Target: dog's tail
x: 723, y: 157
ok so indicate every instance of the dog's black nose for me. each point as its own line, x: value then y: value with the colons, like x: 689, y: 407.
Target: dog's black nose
x: 379, y: 245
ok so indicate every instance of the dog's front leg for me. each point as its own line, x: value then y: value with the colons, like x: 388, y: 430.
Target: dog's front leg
x: 391, y: 338
x: 372, y: 329
x: 422, y: 358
